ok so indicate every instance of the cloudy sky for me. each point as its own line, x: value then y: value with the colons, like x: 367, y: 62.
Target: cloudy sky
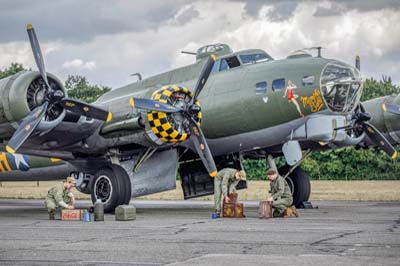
x: 106, y: 41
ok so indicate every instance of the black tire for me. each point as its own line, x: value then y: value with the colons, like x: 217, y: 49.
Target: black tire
x: 299, y: 184
x: 125, y: 184
x: 106, y: 188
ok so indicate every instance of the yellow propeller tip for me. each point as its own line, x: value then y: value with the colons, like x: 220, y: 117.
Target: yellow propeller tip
x: 9, y: 149
x: 55, y: 160
x: 132, y: 102
x: 214, y: 57
x: 394, y: 156
x: 384, y: 107
x: 213, y: 174
x: 29, y: 27
x: 109, y: 117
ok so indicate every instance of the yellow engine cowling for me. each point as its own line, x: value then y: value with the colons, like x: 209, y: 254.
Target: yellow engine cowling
x: 170, y: 127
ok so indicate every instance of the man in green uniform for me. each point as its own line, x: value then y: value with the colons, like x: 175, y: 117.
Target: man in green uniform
x: 60, y: 196
x: 226, y: 181
x: 281, y: 197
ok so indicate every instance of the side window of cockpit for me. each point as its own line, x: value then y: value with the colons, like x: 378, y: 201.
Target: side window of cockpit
x: 307, y: 81
x: 261, y: 87
x: 278, y: 84
x: 228, y: 63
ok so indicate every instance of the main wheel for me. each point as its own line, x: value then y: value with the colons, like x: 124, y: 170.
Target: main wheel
x: 112, y: 186
x: 299, y: 184
x: 125, y: 184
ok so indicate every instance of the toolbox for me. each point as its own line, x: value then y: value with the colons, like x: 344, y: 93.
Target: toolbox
x: 125, y: 213
x: 265, y: 209
x: 72, y: 215
x: 233, y: 210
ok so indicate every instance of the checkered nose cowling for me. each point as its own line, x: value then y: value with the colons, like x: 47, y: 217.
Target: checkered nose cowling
x: 172, y: 127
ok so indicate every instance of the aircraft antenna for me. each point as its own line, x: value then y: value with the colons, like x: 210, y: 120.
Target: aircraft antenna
x: 186, y: 52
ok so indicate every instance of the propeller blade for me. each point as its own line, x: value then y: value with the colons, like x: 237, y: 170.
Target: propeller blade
x: 26, y: 128
x: 86, y: 109
x: 37, y: 53
x: 391, y: 108
x: 202, y: 148
x: 153, y: 105
x: 205, y: 73
x: 380, y: 141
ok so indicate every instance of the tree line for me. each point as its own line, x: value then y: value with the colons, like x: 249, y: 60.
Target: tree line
x: 341, y: 164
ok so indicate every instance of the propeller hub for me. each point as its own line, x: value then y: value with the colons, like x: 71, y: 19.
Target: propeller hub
x: 194, y: 110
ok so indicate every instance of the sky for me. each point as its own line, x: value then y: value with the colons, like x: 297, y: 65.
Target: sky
x: 106, y: 41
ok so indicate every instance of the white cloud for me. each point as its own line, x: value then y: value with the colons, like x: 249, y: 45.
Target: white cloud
x: 79, y: 64
x: 110, y: 58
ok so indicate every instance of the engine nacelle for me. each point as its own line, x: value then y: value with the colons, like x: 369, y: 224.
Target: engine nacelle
x: 386, y: 122
x: 22, y: 92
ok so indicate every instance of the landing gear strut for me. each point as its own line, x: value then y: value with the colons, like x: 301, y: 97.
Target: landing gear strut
x: 112, y: 186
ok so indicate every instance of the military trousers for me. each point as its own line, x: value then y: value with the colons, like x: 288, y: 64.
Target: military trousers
x: 281, y: 204
x: 217, y: 194
x: 51, y: 205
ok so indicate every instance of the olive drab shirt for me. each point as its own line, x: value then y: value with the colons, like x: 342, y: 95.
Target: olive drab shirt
x: 280, y: 189
x: 227, y: 175
x: 58, y: 193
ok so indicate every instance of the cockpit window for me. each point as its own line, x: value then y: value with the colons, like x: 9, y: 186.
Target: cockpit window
x: 254, y: 58
x: 228, y: 63
x: 341, y: 87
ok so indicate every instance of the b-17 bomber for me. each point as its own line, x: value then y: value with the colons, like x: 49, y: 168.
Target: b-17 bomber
x: 194, y: 120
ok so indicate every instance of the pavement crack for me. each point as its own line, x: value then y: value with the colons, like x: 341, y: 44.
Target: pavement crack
x: 321, y: 241
x: 395, y: 226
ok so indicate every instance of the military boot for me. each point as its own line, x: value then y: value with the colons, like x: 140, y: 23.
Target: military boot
x: 294, y: 211
x: 51, y: 215
x: 287, y: 213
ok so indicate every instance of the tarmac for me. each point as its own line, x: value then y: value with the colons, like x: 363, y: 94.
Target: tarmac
x: 183, y: 233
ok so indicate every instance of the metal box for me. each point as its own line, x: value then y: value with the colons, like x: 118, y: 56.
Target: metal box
x: 125, y: 213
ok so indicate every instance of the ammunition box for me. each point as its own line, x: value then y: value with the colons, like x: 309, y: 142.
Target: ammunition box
x: 125, y: 213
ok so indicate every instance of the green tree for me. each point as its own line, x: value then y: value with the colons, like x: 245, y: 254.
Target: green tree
x: 11, y: 70
x: 78, y: 87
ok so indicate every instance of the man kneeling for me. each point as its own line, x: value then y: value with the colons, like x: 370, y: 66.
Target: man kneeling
x: 60, y: 196
x: 281, y: 198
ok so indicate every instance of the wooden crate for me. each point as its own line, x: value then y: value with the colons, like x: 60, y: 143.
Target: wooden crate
x: 265, y: 209
x: 72, y: 215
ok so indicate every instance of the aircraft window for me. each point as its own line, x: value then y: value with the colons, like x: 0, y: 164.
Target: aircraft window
x: 216, y: 66
x: 253, y: 58
x: 278, y: 84
x: 261, y: 87
x: 228, y: 63
x: 307, y: 81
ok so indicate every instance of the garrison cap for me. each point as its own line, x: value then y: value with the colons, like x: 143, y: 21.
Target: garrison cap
x: 242, y: 174
x: 72, y: 180
x: 271, y: 172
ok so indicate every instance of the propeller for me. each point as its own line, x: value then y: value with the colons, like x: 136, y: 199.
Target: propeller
x: 361, y: 124
x: 52, y: 99
x: 189, y: 112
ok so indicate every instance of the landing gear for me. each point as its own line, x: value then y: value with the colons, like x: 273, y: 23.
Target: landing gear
x: 112, y: 186
x: 299, y: 184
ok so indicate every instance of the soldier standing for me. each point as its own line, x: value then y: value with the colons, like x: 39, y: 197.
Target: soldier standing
x: 281, y: 197
x: 60, y: 196
x: 226, y: 180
